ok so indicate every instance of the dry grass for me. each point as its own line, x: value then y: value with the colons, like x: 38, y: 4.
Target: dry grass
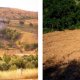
x: 13, y: 13
x: 17, y: 74
x: 29, y: 38
x: 33, y: 21
x: 64, y: 45
x: 62, y: 55
x: 26, y: 37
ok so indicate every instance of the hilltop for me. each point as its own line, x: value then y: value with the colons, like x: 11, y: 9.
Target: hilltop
x: 13, y: 13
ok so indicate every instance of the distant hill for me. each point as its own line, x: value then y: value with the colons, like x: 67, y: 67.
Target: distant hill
x: 13, y: 13
x: 27, y: 31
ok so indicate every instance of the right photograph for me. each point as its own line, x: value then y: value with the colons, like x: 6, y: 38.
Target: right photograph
x: 61, y: 40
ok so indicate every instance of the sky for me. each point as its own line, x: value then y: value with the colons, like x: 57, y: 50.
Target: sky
x: 29, y: 5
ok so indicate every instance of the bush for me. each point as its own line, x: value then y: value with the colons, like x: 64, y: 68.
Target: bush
x: 20, y: 63
x: 6, y: 58
x: 4, y: 66
x: 10, y: 34
x: 13, y: 67
x: 31, y: 25
x: 21, y: 23
x: 15, y: 62
x: 31, y: 61
x: 30, y: 65
x: 29, y: 47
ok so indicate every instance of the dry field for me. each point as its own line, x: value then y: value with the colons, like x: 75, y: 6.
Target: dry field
x: 13, y: 13
x: 62, y: 46
x: 28, y: 74
x: 33, y: 21
x: 26, y: 37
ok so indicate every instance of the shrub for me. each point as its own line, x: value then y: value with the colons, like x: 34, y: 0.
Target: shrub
x: 31, y: 61
x: 29, y: 47
x: 20, y: 63
x: 35, y: 62
x: 15, y: 62
x: 10, y: 34
x: 30, y: 65
x: 4, y: 66
x: 13, y: 67
x: 31, y: 25
x: 21, y: 23
x: 6, y: 58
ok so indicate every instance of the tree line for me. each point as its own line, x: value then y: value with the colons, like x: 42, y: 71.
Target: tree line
x: 59, y: 15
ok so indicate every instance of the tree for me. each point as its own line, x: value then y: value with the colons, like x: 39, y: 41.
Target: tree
x: 6, y: 58
x: 60, y: 14
x: 21, y: 23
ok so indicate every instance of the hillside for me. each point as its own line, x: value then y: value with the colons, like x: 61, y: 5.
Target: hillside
x: 13, y: 13
x: 64, y: 45
x: 20, y: 22
x: 62, y: 55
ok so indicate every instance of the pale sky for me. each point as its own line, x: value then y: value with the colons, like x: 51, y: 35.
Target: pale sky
x: 29, y: 5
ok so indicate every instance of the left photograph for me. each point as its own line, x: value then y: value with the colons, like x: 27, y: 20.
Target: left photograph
x: 18, y: 40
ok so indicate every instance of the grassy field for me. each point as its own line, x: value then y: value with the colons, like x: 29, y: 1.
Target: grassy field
x: 18, y: 74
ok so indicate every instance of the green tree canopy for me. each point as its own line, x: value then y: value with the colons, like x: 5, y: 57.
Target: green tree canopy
x: 60, y: 14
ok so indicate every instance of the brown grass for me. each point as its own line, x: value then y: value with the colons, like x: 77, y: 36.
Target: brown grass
x: 13, y: 13
x: 63, y: 45
x: 17, y: 74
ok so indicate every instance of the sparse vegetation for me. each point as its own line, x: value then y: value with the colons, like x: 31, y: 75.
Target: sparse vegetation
x: 31, y: 25
x: 10, y: 34
x: 9, y: 63
x: 29, y: 47
x: 21, y: 23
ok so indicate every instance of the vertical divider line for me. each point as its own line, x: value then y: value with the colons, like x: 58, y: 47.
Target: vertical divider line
x: 40, y: 40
